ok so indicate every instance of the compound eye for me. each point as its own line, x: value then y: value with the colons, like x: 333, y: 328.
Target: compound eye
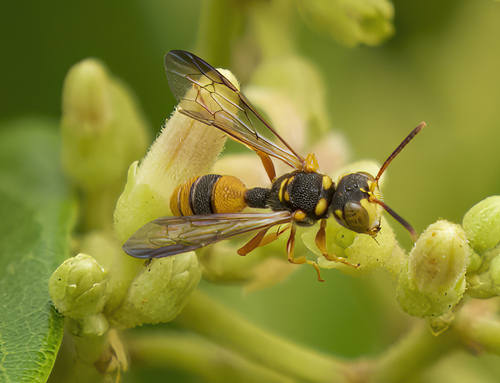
x: 356, y: 217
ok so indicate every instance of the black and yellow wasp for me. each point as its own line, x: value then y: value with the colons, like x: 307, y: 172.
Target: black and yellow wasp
x: 208, y: 208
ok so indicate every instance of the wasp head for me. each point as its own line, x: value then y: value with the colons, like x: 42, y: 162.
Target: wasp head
x: 354, y: 204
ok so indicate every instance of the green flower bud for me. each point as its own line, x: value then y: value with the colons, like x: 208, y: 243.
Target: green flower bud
x: 482, y: 286
x: 421, y: 304
x: 440, y: 258
x: 482, y: 224
x: 371, y: 254
x: 159, y: 292
x: 101, y: 126
x: 78, y: 287
x: 495, y: 270
x: 475, y: 262
x: 485, y: 282
x: 351, y: 22
x: 433, y: 280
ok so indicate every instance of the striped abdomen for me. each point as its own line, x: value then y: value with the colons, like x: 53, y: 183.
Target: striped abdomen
x: 215, y: 194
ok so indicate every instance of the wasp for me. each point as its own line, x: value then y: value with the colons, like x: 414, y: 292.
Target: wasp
x: 208, y: 208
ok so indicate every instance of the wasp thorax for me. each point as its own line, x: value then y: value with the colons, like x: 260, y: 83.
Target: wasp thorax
x: 352, y: 203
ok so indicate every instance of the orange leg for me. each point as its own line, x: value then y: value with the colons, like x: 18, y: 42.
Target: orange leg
x: 253, y: 243
x: 289, y: 250
x: 273, y: 236
x: 321, y: 243
x: 261, y: 239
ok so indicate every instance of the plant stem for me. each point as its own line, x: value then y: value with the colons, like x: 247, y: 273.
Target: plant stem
x: 418, y: 350
x: 215, y: 322
x: 272, y: 356
x: 478, y: 325
x: 198, y: 356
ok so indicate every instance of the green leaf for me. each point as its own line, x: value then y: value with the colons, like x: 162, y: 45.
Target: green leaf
x: 36, y: 212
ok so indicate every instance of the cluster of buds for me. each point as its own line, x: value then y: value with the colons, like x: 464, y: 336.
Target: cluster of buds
x: 482, y: 225
x: 451, y: 260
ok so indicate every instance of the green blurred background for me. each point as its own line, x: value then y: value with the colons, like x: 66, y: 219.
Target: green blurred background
x: 442, y: 66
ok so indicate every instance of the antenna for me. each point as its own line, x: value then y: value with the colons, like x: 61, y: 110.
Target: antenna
x: 398, y: 149
x: 391, y: 212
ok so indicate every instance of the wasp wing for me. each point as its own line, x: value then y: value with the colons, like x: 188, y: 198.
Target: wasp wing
x: 168, y: 236
x: 207, y: 96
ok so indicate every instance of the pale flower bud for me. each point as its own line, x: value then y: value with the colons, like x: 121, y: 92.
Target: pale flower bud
x: 485, y: 281
x: 78, y: 287
x: 351, y: 22
x: 159, y: 292
x: 434, y: 279
x: 482, y: 224
x: 102, y: 129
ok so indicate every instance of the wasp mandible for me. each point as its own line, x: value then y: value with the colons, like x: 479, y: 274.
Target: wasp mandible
x: 208, y: 208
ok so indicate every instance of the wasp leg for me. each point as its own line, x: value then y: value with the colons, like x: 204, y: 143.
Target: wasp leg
x: 261, y: 239
x: 253, y: 243
x: 321, y: 244
x: 273, y: 236
x: 289, y: 250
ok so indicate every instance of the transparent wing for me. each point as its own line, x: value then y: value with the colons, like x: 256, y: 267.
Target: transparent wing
x: 168, y: 236
x: 207, y: 96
